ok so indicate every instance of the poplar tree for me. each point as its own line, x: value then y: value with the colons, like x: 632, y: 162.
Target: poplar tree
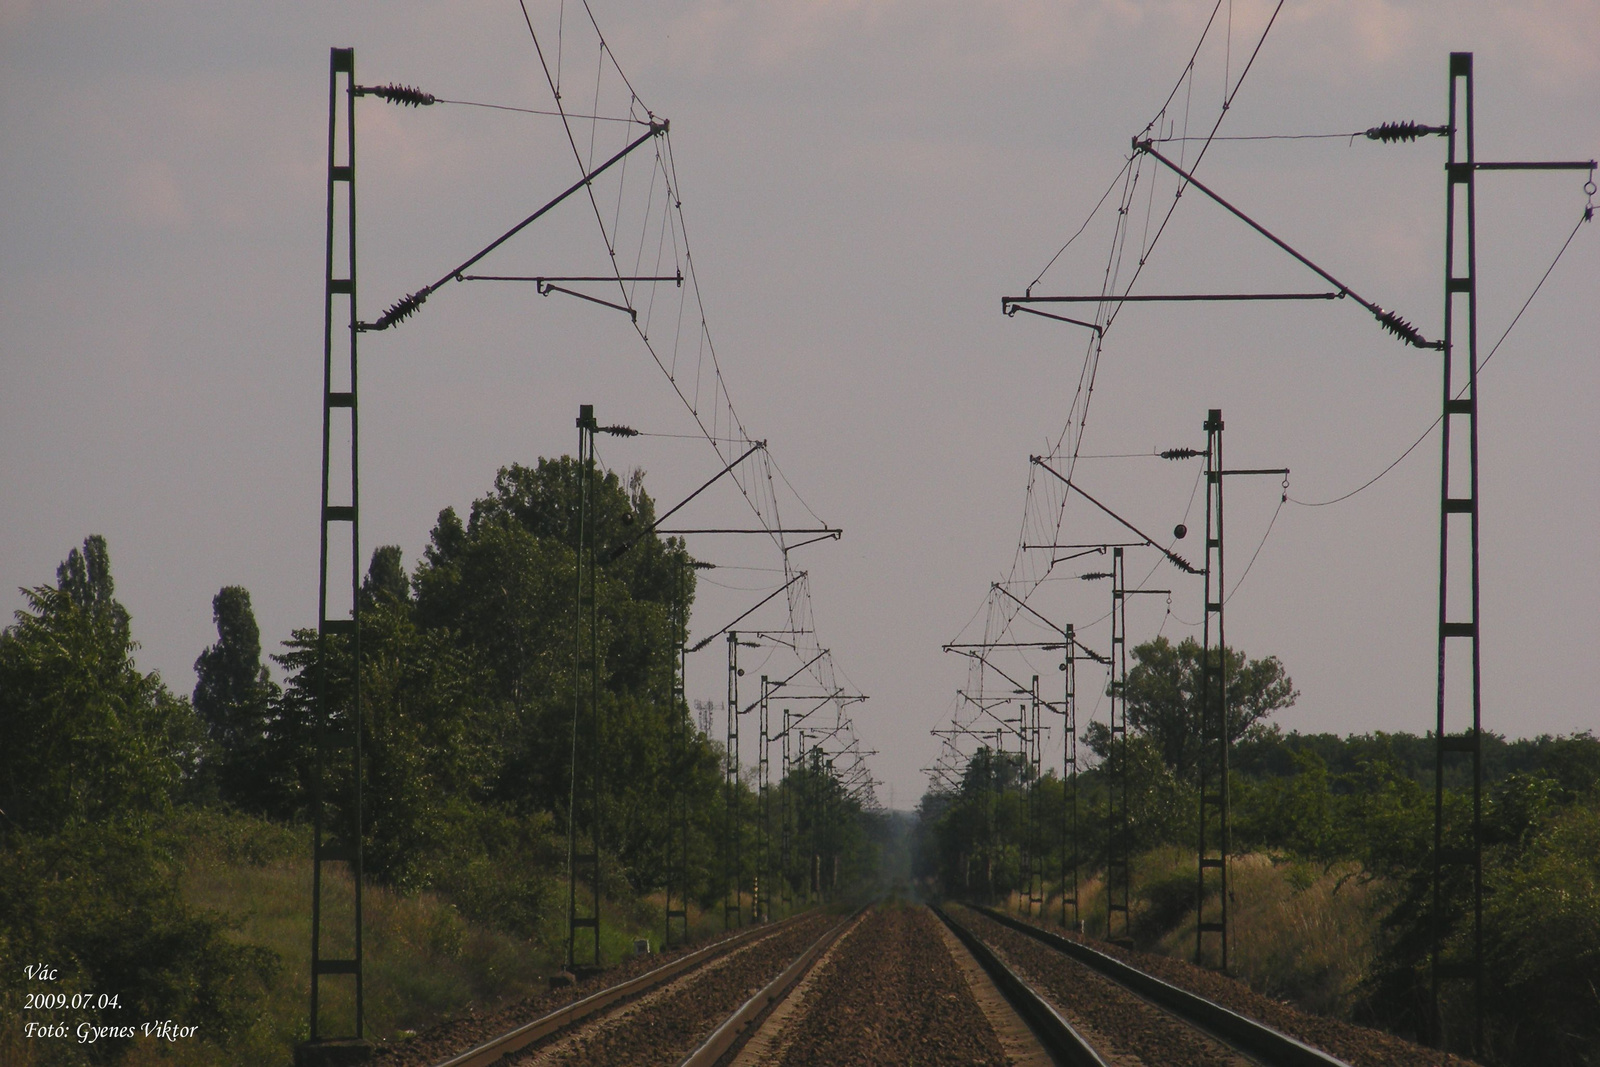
x: 233, y: 697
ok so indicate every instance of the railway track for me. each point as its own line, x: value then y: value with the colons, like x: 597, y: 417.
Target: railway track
x: 1093, y: 1010
x: 896, y: 983
x: 892, y: 991
x: 636, y: 1021
x: 1254, y: 1039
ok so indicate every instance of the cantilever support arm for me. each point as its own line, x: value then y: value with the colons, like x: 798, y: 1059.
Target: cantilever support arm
x: 981, y: 658
x: 986, y: 710
x: 409, y: 304
x: 541, y: 279
x: 546, y: 289
x: 1387, y: 319
x: 1045, y: 645
x: 1025, y: 606
x: 1081, y: 647
x: 828, y: 533
x: 1010, y: 305
x: 818, y: 706
x: 747, y: 614
x: 779, y: 685
x: 975, y: 702
x: 709, y: 482
x: 1177, y: 560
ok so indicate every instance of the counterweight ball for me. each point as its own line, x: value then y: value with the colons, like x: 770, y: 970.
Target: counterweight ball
x: 1180, y: 531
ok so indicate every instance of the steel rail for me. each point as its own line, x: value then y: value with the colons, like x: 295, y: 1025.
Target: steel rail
x: 742, y: 1025
x: 1060, y: 1039
x: 493, y: 1050
x: 1272, y: 1047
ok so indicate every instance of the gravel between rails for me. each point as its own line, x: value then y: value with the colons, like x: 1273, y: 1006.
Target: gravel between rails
x: 455, y: 1036
x: 1129, y: 1030
x: 665, y: 1026
x: 1357, y: 1045
x: 892, y: 994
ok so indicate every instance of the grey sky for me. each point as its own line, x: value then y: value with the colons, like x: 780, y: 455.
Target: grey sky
x: 862, y: 182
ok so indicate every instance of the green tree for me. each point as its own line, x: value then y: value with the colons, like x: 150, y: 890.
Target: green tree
x: 233, y: 697
x: 1542, y: 941
x: 1297, y: 811
x: 428, y: 726
x: 467, y: 685
x: 84, y: 735
x: 504, y: 584
x: 1163, y: 700
x: 429, y: 736
x: 92, y: 752
x: 100, y: 901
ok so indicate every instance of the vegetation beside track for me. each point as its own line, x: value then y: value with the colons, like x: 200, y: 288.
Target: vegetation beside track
x: 156, y: 847
x: 1333, y: 836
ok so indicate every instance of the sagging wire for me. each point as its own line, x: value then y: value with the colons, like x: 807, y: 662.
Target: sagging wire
x: 1282, y: 500
x: 536, y: 111
x: 1079, y: 231
x: 1588, y: 214
x: 1164, y: 619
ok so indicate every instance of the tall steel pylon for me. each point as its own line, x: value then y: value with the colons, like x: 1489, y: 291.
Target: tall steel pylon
x: 1459, y: 633
x: 786, y: 800
x: 583, y: 810
x: 1033, y: 859
x: 677, y: 887
x: 336, y: 836
x: 1069, y: 781
x: 760, y: 902
x: 1216, y: 717
x: 1458, y: 502
x: 732, y: 861
x: 1212, y: 872
x: 1119, y: 875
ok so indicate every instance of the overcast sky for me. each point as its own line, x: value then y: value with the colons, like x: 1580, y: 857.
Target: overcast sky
x: 862, y: 181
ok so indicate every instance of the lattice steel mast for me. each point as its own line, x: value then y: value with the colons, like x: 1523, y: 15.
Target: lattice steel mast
x: 759, y: 904
x: 338, y: 708
x: 1118, y: 873
x: 1033, y: 876
x: 583, y: 811
x: 677, y: 865
x: 1461, y: 277
x: 733, y: 866
x: 1459, y: 503
x: 1069, y: 781
x: 1213, y: 715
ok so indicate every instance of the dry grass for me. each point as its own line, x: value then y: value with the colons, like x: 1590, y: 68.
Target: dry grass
x: 1302, y: 933
x: 423, y: 960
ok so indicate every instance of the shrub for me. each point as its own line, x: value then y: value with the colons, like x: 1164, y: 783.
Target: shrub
x: 100, y: 905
